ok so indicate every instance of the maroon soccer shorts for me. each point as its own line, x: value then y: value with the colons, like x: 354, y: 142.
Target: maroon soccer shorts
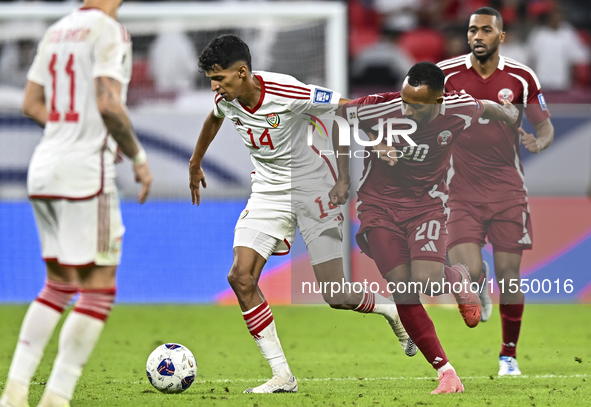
x: 391, y: 242
x: 507, y: 225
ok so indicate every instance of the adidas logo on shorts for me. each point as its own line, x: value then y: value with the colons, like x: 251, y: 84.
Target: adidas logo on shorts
x: 429, y: 247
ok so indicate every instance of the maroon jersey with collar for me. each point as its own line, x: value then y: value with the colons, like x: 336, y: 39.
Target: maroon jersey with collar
x: 418, y: 179
x: 485, y: 165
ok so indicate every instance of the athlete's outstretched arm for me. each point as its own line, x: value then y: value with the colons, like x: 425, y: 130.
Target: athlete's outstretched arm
x: 545, y: 133
x: 114, y: 114
x: 210, y: 128
x: 34, y: 103
x: 339, y: 194
x: 505, y: 112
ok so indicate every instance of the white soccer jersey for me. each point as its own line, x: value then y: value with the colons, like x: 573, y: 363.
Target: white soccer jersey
x: 75, y: 158
x: 275, y: 130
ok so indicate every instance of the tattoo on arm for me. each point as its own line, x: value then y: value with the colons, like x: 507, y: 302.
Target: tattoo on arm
x: 115, y: 115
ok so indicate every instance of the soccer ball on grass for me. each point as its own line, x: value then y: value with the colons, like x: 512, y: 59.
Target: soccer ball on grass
x: 171, y: 368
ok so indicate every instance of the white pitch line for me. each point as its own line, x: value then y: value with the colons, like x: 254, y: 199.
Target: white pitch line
x: 371, y: 379
x: 359, y: 379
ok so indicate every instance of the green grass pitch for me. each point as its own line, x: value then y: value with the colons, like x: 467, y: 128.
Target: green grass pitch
x: 339, y: 358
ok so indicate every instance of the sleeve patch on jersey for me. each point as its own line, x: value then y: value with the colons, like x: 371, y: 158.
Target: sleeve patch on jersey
x: 542, y: 102
x: 352, y: 115
x: 322, y: 96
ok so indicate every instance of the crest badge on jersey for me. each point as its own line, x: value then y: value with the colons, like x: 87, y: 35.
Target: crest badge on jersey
x: 273, y: 119
x: 444, y: 137
x: 322, y: 96
x: 505, y: 94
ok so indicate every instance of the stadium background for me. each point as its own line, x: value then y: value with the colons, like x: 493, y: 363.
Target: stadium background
x: 176, y: 253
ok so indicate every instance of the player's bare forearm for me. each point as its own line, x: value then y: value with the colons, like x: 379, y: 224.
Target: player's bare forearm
x: 505, y: 112
x: 115, y: 115
x: 34, y: 103
x: 210, y: 128
x: 545, y: 133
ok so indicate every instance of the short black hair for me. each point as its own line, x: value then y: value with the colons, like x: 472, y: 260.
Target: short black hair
x: 426, y: 73
x: 224, y: 51
x: 489, y: 11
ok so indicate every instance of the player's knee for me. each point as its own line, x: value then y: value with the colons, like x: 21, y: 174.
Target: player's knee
x: 475, y: 268
x: 506, y: 272
x: 240, y: 279
x: 422, y: 277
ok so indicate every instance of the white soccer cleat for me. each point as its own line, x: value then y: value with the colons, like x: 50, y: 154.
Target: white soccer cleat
x: 508, y: 366
x: 276, y: 385
x: 408, y: 345
x: 484, y: 296
x: 15, y: 395
x: 50, y: 399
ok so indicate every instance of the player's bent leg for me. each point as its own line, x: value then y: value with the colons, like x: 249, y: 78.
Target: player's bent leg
x: 388, y: 248
x: 434, y: 278
x: 251, y: 251
x: 244, y: 276
x: 326, y: 258
x: 364, y: 302
x: 511, y: 308
x: 415, y: 319
x: 80, y: 333
x: 471, y: 255
x: 37, y: 327
x: 468, y: 299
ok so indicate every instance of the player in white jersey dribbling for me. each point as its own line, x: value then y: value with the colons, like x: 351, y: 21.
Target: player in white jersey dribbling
x: 291, y: 185
x: 76, y: 90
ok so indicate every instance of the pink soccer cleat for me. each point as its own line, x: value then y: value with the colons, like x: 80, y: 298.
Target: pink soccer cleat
x: 468, y: 301
x: 449, y: 382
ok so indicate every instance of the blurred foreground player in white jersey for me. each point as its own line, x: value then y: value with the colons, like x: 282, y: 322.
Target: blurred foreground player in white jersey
x: 486, y: 182
x: 291, y: 185
x: 76, y: 89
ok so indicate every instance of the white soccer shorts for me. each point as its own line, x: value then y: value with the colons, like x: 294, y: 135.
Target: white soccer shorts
x: 277, y: 214
x: 80, y: 233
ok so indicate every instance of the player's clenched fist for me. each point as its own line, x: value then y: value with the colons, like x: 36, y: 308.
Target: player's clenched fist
x: 529, y: 142
x: 340, y: 192
x: 196, y: 176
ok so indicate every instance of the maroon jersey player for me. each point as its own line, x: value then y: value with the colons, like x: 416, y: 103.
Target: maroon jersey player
x: 487, y: 192
x: 402, y: 202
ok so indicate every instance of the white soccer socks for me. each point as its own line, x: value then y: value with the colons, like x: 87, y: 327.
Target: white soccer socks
x: 78, y: 337
x: 261, y: 326
x: 37, y: 327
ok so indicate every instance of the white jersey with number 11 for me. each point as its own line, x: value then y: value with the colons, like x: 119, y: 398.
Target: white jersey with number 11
x: 75, y: 158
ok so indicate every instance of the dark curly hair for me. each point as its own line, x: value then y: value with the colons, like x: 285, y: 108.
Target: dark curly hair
x: 426, y: 73
x: 224, y: 51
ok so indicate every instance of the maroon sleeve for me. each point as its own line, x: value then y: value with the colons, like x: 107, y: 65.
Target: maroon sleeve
x: 464, y: 106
